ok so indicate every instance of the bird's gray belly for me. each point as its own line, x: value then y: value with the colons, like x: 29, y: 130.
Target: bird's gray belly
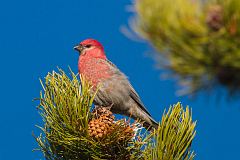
x: 114, y: 93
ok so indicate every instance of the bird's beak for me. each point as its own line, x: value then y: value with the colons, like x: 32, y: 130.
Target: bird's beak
x: 78, y: 48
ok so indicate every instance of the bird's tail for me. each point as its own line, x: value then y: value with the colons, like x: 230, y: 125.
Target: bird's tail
x: 138, y: 112
x: 151, y: 126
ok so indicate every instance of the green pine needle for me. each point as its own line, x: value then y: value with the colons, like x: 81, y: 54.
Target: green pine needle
x: 173, y: 139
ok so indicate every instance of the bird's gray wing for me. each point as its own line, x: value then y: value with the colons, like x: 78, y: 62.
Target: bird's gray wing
x: 136, y: 98
x: 133, y: 94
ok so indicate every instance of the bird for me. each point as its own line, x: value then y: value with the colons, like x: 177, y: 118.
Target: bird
x: 115, y: 90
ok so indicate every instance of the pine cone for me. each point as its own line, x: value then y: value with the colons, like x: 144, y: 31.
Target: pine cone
x: 214, y: 18
x: 128, y: 132
x: 102, y: 123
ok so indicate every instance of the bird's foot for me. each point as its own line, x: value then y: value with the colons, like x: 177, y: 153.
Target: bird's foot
x: 109, y: 107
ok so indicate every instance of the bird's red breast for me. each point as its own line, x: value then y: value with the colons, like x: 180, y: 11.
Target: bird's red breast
x: 93, y: 66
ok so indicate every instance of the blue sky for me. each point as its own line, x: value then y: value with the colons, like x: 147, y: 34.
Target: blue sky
x: 38, y: 36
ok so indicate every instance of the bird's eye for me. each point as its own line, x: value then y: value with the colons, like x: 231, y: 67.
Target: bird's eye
x: 88, y: 46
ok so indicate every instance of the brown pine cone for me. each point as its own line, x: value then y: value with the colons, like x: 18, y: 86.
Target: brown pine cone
x: 102, y: 123
x: 214, y: 17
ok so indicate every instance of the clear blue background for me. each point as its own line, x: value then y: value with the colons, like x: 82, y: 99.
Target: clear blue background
x: 38, y: 36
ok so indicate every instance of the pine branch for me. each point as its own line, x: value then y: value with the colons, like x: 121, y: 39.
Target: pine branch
x: 173, y: 139
x: 199, y: 39
x: 73, y: 131
x: 65, y: 107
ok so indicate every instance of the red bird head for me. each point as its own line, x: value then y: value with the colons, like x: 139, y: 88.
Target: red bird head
x: 91, y: 48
